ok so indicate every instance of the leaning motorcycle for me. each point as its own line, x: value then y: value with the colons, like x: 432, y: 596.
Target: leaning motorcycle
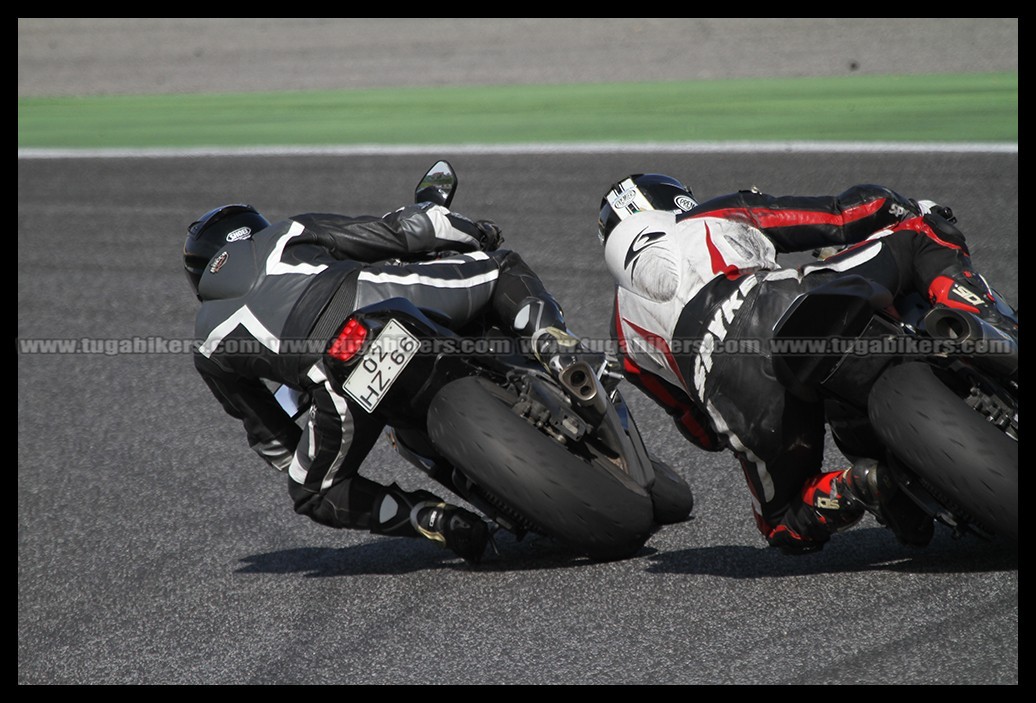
x: 560, y: 457
x: 930, y: 392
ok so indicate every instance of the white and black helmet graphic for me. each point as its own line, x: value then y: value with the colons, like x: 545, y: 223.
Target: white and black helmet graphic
x: 641, y: 191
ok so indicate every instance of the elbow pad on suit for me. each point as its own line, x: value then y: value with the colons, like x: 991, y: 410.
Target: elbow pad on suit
x: 416, y: 224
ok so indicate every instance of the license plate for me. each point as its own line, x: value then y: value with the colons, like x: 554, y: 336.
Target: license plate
x: 383, y: 363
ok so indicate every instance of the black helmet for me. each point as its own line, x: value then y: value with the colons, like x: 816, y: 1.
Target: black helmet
x: 641, y: 191
x: 212, y: 231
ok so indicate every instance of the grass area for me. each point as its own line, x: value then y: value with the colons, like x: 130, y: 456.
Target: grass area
x: 933, y: 108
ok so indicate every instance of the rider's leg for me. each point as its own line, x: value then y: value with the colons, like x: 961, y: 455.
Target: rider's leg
x: 927, y: 254
x: 521, y: 300
x: 325, y: 486
x: 779, y: 436
x: 776, y: 435
x: 467, y: 286
x: 797, y: 507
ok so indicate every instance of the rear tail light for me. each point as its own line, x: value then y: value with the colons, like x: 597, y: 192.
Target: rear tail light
x: 349, y: 341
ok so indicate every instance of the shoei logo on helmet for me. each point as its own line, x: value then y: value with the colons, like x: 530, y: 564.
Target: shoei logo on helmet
x: 218, y: 263
x: 239, y: 233
x: 624, y: 198
x: 684, y: 203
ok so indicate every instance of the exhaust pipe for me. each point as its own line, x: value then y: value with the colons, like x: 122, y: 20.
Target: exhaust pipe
x: 583, y: 385
x: 989, y: 347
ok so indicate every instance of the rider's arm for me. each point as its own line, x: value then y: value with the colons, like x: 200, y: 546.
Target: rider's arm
x: 691, y: 422
x: 403, y: 234
x: 270, y: 431
x: 802, y: 223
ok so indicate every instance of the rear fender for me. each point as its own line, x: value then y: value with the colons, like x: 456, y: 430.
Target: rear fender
x: 401, y: 404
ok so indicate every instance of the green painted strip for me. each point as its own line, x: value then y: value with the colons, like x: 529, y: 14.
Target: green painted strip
x: 933, y: 108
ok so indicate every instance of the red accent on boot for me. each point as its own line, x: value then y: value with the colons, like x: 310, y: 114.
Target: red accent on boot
x: 822, y: 483
x: 940, y: 290
x: 831, y: 506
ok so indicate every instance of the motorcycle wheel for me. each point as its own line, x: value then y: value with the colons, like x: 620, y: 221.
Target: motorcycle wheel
x: 590, y: 506
x: 670, y: 495
x: 970, y: 463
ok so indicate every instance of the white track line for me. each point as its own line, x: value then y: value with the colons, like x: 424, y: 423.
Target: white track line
x: 741, y: 147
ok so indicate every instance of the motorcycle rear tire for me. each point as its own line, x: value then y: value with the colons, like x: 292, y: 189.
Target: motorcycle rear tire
x: 670, y: 494
x: 950, y: 445
x: 589, y: 506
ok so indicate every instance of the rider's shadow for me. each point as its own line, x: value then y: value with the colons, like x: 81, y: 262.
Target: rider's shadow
x: 403, y: 556
x: 873, y: 549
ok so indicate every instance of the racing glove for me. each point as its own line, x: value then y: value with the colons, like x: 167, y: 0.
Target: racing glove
x: 490, y: 235
x: 930, y: 206
x: 485, y: 232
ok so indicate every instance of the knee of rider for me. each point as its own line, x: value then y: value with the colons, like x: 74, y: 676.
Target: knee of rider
x: 346, y: 504
x: 946, y: 230
x: 506, y: 259
x: 536, y: 313
x: 937, y: 229
x: 303, y: 498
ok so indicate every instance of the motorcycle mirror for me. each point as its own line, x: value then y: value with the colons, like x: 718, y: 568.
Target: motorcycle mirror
x: 438, y: 185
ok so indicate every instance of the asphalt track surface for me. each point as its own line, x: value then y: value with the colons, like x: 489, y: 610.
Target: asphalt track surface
x: 154, y: 548
x: 120, y: 55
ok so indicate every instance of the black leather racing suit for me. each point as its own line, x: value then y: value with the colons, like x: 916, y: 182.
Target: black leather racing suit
x: 271, y: 302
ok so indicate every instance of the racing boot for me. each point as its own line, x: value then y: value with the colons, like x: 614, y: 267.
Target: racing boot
x: 968, y: 290
x: 959, y: 286
x: 541, y: 321
x: 457, y: 529
x: 400, y: 513
x: 824, y: 508
x: 871, y: 484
